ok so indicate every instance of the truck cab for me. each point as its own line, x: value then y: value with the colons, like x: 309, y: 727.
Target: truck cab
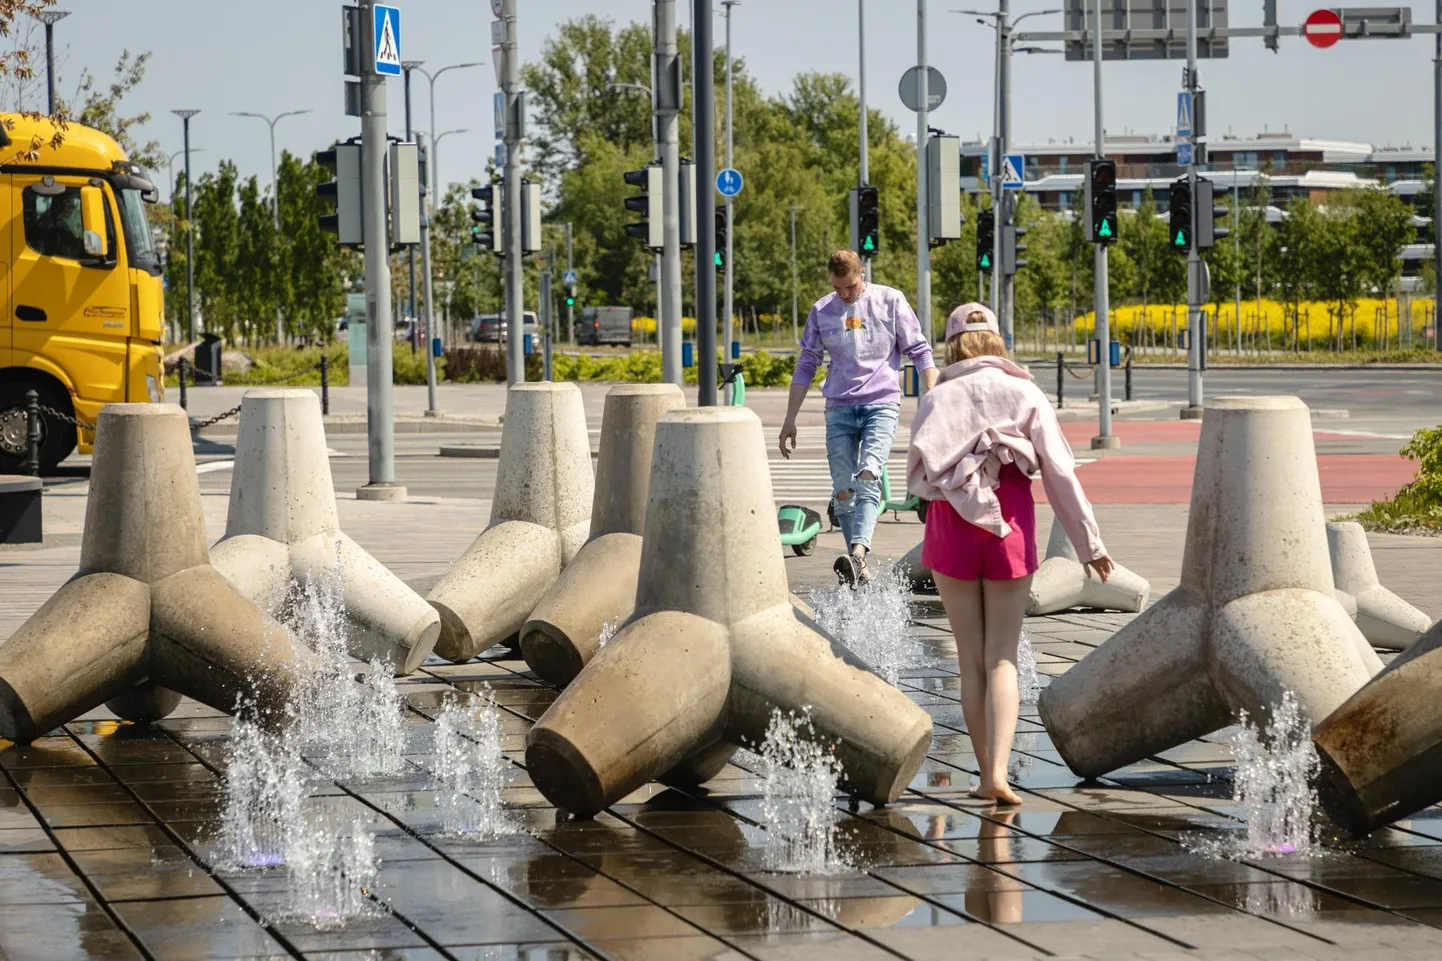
x: 81, y: 311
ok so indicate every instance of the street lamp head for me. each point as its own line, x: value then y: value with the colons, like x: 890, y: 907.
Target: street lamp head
x: 244, y: 113
x: 185, y: 114
x: 409, y: 65
x: 51, y: 17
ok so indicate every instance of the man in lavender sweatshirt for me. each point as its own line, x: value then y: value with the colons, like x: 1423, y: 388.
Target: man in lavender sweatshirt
x: 865, y: 328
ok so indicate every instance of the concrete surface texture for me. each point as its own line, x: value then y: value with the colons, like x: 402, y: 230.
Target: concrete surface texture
x: 1380, y: 750
x: 1061, y: 583
x: 146, y: 618
x: 1384, y: 619
x: 597, y: 589
x: 1255, y: 614
x: 540, y: 518
x: 715, y: 644
x: 282, y: 529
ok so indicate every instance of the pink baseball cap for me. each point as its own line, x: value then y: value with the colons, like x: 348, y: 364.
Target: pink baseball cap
x: 957, y: 323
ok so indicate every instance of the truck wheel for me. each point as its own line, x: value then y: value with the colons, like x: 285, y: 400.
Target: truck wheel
x: 805, y: 550
x: 56, y: 440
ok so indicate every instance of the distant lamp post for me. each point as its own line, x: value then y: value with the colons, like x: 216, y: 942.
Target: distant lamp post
x: 170, y: 166
x: 50, y: 18
x: 432, y: 78
x: 275, y: 188
x: 185, y: 116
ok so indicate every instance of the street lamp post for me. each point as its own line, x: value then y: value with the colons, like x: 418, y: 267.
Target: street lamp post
x: 170, y: 168
x: 795, y: 330
x: 435, y: 153
x: 50, y: 18
x: 407, y: 66
x: 274, y: 186
x: 185, y: 116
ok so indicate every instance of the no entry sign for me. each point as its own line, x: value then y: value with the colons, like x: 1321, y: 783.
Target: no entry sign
x: 1323, y: 28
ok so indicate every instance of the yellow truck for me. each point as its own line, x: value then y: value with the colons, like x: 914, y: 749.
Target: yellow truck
x: 82, y: 321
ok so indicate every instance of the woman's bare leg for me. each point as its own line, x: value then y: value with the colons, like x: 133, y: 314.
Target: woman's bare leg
x: 1003, y: 609
x: 963, y: 603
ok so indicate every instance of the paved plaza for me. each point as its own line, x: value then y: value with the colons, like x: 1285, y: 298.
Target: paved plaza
x: 108, y: 832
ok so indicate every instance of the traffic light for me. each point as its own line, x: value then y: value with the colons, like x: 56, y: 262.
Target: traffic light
x: 1101, y: 201
x: 1012, y: 248
x: 1179, y: 215
x: 570, y: 295
x: 868, y: 221
x: 1208, y: 212
x: 648, y: 229
x: 943, y: 190
x: 720, y: 238
x: 485, y: 232
x: 985, y: 239
x: 342, y: 193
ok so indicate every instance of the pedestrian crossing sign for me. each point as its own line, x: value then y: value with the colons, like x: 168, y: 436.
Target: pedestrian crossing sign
x: 1012, y: 165
x: 387, y: 33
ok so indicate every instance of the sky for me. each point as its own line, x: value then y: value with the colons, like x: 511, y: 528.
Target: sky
x: 269, y: 56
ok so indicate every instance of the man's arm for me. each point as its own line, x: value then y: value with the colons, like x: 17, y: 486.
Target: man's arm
x: 808, y: 359
x: 913, y: 343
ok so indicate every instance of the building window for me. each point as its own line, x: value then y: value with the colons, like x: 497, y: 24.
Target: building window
x: 1061, y: 163
x: 1136, y: 198
x: 1063, y: 200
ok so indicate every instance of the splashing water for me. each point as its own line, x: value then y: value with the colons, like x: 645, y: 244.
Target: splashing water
x: 1275, y: 768
x: 471, y: 770
x: 333, y: 868
x: 1028, y: 683
x: 608, y: 631
x: 798, y: 800
x: 872, y: 621
x: 265, y: 784
x: 352, y: 730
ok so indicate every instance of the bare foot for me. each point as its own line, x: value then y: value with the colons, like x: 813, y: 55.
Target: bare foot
x: 1003, y: 794
x: 979, y: 792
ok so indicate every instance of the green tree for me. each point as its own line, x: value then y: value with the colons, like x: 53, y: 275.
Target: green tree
x: 217, y: 228
x: 311, y: 267
x: 1383, y: 226
x: 97, y: 105
x: 256, y: 285
x: 1298, y: 255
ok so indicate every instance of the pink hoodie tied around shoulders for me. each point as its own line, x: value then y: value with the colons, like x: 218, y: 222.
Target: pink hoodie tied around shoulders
x: 983, y: 414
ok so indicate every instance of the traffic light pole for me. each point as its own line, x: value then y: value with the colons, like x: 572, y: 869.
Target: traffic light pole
x: 1104, y: 440
x: 727, y: 302
x: 1006, y: 213
x: 511, y: 200
x: 1195, y: 333
x: 923, y: 235
x: 432, y: 330
x: 380, y: 436
x: 703, y: 98
x: 1436, y: 193
x: 570, y: 321
x: 668, y: 105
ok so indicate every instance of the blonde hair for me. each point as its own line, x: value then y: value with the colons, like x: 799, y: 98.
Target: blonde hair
x: 974, y: 343
x: 844, y: 263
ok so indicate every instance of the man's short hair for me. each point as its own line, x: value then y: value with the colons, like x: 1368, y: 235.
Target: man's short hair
x: 843, y: 263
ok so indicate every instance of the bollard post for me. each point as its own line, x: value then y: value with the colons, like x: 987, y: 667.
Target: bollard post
x: 324, y: 384
x: 31, y: 464
x: 1129, y: 373
x: 180, y: 375
x: 1060, y: 377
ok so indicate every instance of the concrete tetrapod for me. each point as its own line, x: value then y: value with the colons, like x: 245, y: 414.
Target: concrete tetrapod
x: 1061, y: 583
x: 1254, y: 616
x: 146, y: 618
x: 598, y: 587
x: 715, y: 643
x: 1381, y: 751
x: 1384, y: 619
x: 282, y: 527
x: 540, y: 517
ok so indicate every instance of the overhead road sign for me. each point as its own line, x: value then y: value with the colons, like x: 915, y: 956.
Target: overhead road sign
x: 387, y: 35
x: 1322, y: 28
x: 729, y: 182
x: 1371, y: 23
x: 1146, y: 30
x: 911, y: 96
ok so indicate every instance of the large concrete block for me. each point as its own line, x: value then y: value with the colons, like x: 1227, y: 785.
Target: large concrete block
x: 540, y: 517
x: 282, y: 528
x: 1255, y: 614
x: 598, y: 586
x: 1061, y: 583
x: 716, y: 642
x: 1384, y: 619
x: 146, y: 619
x: 1381, y: 751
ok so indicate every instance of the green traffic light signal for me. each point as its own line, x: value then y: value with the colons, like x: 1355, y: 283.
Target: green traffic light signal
x: 720, y: 261
x: 1106, y: 229
x: 570, y: 301
x: 869, y: 244
x: 1180, y: 240
x: 986, y: 261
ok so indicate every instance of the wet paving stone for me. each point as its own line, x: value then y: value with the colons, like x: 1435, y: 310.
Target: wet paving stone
x: 189, y: 928
x: 49, y: 932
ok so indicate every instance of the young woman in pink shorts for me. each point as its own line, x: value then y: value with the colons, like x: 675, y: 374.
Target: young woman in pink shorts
x: 978, y: 437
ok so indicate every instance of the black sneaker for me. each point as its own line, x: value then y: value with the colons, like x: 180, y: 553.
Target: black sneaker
x: 848, y: 570
x: 863, y: 572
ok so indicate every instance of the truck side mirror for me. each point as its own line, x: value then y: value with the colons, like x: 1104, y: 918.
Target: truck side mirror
x: 92, y: 222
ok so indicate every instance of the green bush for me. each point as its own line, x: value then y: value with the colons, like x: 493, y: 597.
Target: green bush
x: 1419, y: 503
x: 300, y: 367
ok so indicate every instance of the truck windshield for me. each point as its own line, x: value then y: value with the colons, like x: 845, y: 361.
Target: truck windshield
x: 137, y: 231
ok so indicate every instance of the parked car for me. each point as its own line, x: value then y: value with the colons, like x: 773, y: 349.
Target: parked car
x: 604, y: 325
x: 491, y: 328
